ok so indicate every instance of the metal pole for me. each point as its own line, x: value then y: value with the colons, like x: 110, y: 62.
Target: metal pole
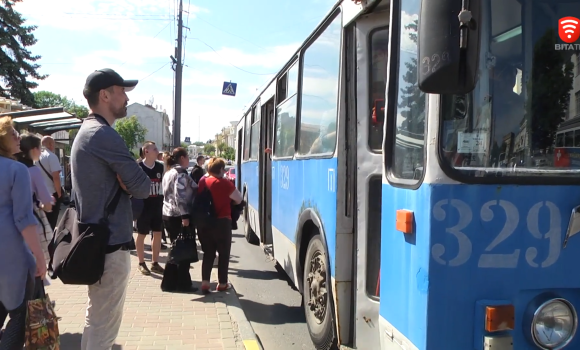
x: 178, y: 80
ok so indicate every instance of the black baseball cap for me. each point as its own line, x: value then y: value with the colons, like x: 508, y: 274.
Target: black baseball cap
x: 105, y: 78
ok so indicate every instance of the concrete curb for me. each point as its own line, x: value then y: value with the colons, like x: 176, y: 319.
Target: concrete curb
x: 248, y: 337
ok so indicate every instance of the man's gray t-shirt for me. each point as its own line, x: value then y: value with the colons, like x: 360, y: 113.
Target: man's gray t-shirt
x: 98, y: 154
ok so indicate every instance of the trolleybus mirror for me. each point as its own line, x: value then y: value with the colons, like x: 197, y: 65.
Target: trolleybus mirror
x: 449, y: 41
x: 574, y: 225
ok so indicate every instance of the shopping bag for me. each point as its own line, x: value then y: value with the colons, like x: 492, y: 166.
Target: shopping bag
x: 41, y: 332
x: 184, y: 248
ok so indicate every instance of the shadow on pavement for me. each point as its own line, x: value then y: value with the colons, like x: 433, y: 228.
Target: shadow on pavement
x: 271, y: 314
x: 72, y: 341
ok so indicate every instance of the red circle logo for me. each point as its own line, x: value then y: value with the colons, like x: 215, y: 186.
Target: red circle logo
x: 569, y: 29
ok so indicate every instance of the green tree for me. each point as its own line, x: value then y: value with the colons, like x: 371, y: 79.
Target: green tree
x: 222, y: 147
x: 411, y: 97
x: 198, y: 143
x: 209, y: 149
x: 47, y: 99
x: 550, y: 89
x: 184, y: 145
x: 229, y: 153
x: 132, y: 132
x: 16, y: 61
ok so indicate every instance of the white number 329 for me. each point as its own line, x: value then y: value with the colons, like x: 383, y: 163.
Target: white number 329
x: 488, y: 259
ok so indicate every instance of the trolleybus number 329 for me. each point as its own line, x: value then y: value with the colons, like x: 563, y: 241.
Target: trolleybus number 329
x: 489, y: 259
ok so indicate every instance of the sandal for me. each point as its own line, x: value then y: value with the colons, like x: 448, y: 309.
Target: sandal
x: 221, y: 287
x: 205, y: 288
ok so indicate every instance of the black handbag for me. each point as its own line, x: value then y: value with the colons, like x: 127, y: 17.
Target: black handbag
x: 78, y: 250
x: 184, y: 248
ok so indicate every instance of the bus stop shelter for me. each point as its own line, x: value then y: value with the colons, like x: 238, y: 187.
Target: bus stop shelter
x: 44, y: 121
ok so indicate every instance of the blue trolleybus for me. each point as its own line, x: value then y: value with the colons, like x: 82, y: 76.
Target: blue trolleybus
x: 400, y: 169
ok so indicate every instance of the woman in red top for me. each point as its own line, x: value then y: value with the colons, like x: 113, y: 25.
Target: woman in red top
x: 218, y: 236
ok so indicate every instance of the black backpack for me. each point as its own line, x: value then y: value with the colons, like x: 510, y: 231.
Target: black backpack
x: 203, y: 207
x: 78, y: 250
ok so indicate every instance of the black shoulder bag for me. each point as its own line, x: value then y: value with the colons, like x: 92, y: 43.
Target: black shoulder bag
x: 78, y: 250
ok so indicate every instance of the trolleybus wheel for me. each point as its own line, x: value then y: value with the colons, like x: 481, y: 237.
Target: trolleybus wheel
x: 317, y: 297
x: 248, y: 232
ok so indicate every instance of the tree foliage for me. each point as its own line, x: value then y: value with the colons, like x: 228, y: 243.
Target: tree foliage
x: 198, y: 143
x: 132, y: 132
x: 209, y: 149
x: 16, y: 61
x: 47, y: 99
x: 550, y: 88
x: 412, y: 98
x: 229, y: 153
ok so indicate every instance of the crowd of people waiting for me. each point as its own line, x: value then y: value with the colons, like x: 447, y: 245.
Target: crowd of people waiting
x: 101, y: 166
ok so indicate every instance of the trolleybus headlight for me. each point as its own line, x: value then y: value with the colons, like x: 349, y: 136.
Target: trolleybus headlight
x: 554, y: 324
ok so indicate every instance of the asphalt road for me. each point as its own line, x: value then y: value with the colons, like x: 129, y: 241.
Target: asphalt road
x: 269, y: 300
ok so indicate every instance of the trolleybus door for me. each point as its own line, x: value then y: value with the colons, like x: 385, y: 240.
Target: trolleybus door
x: 371, y: 61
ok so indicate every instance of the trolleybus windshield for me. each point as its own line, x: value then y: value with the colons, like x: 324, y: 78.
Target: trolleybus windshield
x: 528, y: 90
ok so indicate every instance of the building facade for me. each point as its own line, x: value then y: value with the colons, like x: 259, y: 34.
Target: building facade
x: 156, y: 121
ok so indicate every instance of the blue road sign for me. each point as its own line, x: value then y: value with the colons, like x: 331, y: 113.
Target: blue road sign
x: 229, y: 88
x: 187, y: 140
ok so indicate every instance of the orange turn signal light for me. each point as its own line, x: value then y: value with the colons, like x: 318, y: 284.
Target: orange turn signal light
x: 499, y: 318
x: 405, y: 221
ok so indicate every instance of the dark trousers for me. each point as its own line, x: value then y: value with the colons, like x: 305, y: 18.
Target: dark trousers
x: 52, y: 217
x: 175, y: 277
x: 216, y: 237
x: 13, y: 337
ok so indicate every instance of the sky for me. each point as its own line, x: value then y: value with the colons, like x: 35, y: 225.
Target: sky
x: 245, y: 42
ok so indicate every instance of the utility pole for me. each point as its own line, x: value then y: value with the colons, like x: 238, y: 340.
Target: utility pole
x: 178, y: 79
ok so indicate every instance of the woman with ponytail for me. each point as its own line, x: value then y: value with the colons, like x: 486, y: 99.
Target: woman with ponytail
x: 178, y: 192
x: 42, y: 200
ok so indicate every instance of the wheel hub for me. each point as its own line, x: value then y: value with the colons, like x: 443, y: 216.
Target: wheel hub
x: 317, y: 287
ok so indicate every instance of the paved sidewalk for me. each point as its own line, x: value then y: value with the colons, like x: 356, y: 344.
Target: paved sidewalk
x: 157, y: 320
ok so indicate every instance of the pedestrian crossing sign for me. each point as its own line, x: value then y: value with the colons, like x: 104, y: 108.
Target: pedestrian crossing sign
x: 229, y: 88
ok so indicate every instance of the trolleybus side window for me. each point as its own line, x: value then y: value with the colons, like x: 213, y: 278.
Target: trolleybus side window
x: 286, y: 115
x: 255, y: 133
x: 247, y: 129
x: 378, y: 79
x: 319, y: 95
x: 520, y: 119
x: 408, y: 154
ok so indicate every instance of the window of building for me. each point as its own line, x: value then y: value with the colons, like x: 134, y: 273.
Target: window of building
x: 378, y: 80
x: 319, y: 102
x: 286, y: 114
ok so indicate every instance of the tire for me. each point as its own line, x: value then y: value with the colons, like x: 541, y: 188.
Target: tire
x: 319, y: 316
x: 248, y: 232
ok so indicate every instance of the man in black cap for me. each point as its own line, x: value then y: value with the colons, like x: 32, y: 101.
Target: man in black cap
x: 100, y: 164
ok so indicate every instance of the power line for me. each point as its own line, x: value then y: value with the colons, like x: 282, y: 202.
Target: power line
x: 122, y: 64
x: 70, y: 63
x: 228, y: 62
x: 125, y: 18
x: 225, y: 31
x: 160, y: 68
x: 108, y: 14
x: 167, y: 25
